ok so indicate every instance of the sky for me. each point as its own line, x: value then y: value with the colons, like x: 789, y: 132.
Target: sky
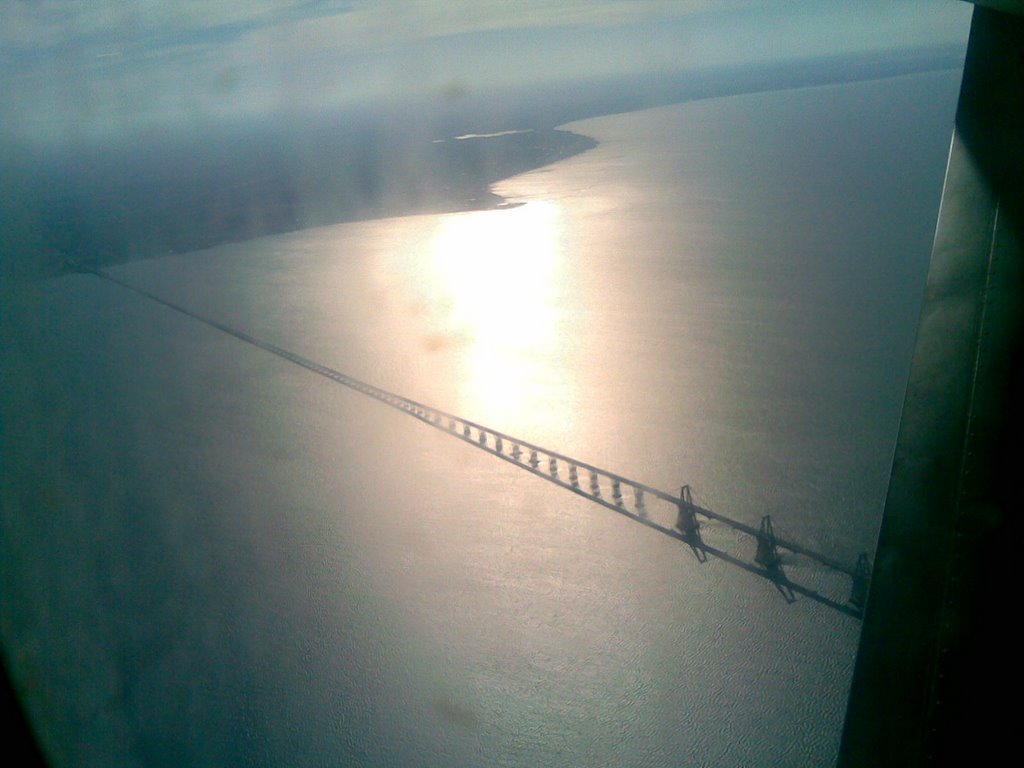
x: 109, y: 66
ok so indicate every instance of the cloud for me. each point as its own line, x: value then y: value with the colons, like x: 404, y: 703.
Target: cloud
x: 56, y: 29
x: 34, y: 30
x: 106, y: 65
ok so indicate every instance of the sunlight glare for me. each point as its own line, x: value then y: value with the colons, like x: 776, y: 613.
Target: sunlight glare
x: 499, y: 274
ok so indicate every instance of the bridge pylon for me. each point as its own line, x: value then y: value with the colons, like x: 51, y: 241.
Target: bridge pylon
x: 686, y: 521
x: 687, y: 524
x: 767, y: 554
x: 861, y: 580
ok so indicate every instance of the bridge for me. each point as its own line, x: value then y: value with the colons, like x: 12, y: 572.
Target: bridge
x: 620, y: 494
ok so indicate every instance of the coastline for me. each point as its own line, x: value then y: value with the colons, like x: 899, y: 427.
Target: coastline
x: 105, y: 221
x: 161, y: 194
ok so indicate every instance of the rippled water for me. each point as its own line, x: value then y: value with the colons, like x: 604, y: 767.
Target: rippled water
x: 252, y: 565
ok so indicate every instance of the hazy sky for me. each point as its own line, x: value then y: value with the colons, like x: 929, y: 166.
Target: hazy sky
x: 109, y: 65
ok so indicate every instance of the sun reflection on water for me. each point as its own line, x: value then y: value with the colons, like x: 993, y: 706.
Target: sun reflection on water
x: 499, y: 274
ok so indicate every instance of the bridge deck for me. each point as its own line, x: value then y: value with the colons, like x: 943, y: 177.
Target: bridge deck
x: 627, y: 496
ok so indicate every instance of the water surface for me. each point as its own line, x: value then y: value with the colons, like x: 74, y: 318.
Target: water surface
x: 211, y: 556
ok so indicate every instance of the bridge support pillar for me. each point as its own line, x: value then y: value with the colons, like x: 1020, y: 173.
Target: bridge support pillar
x: 861, y: 580
x: 767, y: 554
x: 616, y: 493
x: 686, y: 521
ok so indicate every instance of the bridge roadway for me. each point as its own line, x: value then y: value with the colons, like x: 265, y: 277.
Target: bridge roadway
x: 602, y: 486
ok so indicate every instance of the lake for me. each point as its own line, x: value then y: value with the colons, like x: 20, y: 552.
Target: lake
x: 211, y: 556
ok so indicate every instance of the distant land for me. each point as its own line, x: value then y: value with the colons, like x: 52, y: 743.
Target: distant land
x: 112, y: 205
x: 168, y: 192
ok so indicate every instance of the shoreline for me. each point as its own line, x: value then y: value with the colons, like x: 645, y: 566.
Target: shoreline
x: 110, y: 205
x: 197, y: 214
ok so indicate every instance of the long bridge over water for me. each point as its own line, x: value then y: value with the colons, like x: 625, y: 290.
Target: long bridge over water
x: 611, y: 490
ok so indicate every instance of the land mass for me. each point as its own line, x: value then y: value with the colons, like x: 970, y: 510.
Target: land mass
x: 149, y: 195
